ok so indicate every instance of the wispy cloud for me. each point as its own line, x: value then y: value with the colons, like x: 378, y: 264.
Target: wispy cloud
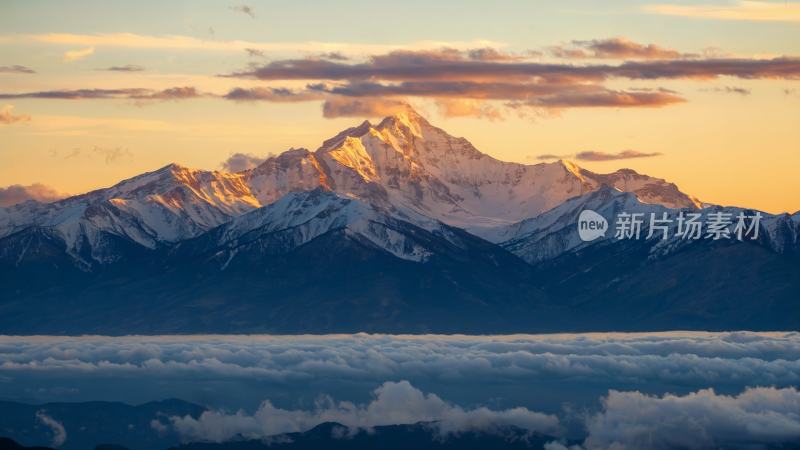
x: 16, y: 69
x: 592, y: 155
x: 254, y: 52
x: 56, y: 428
x: 278, y: 95
x: 758, y: 11
x: 125, y: 68
x: 7, y: 117
x: 139, y: 94
x: 732, y: 90
x: 75, y: 55
x: 111, y: 154
x: 245, y: 9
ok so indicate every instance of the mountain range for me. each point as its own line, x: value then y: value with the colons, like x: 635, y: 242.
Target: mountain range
x: 394, y: 227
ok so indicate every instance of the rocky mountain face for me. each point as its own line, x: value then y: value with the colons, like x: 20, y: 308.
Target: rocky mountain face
x: 395, y: 227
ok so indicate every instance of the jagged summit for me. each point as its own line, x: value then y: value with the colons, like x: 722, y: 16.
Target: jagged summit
x: 407, y: 162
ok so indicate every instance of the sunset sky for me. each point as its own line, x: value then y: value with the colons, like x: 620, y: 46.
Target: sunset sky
x: 706, y: 95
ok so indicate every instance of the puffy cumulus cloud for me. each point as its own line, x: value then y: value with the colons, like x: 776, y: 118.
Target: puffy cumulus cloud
x: 7, y: 117
x: 755, y: 419
x: 16, y: 69
x: 615, y: 48
x: 75, y: 55
x: 238, y: 162
x: 690, y: 359
x: 17, y: 193
x: 394, y: 403
x: 362, y: 107
x: 592, y: 155
x: 56, y: 427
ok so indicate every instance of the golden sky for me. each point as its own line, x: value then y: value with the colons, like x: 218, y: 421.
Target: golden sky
x: 705, y: 95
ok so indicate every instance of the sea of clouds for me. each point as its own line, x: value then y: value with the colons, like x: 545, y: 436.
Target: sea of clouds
x: 607, y: 390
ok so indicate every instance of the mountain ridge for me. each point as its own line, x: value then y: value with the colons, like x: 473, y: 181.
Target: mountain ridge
x: 403, y: 164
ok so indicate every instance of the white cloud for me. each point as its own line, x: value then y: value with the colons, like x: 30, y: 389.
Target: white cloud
x: 693, y: 359
x: 241, y: 161
x: 75, y: 55
x: 7, y: 117
x: 753, y: 419
x: 758, y: 11
x: 59, y: 434
x: 17, y: 193
x: 394, y: 403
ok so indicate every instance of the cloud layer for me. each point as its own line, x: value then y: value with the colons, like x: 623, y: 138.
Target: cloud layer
x: 639, y: 414
x: 695, y: 358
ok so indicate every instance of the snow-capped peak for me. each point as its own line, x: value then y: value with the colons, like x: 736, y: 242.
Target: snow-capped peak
x: 406, y: 162
x: 300, y: 217
x: 164, y: 206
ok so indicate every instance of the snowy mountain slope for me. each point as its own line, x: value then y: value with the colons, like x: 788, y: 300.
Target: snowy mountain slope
x: 165, y: 206
x: 554, y: 232
x: 313, y: 261
x: 300, y: 217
